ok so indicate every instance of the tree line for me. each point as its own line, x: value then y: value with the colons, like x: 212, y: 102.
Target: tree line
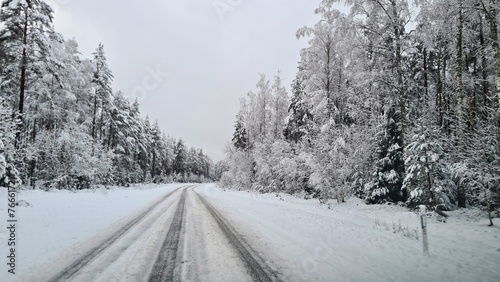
x: 62, y: 125
x: 393, y: 101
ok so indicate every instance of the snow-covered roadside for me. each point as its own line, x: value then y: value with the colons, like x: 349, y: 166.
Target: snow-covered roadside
x: 356, y: 242
x: 58, y: 220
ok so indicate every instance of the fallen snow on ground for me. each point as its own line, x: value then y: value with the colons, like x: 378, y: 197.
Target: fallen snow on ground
x: 306, y: 241
x: 299, y: 239
x: 50, y: 223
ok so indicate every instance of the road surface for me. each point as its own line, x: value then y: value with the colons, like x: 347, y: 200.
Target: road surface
x: 182, y: 237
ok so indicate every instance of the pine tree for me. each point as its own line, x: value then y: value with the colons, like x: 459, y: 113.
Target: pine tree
x: 24, y: 41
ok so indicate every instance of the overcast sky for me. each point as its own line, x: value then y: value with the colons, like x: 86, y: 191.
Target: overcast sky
x: 212, y: 57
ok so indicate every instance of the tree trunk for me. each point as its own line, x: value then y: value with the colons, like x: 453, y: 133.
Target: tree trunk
x: 101, y: 124
x: 439, y: 91
x: 110, y: 138
x: 94, y: 135
x: 472, y: 115
x: 495, y: 103
x: 22, y: 87
x: 460, y: 100
x: 490, y: 217
x: 426, y: 78
x: 153, y: 165
x: 496, y: 49
x: 459, y: 84
x: 328, y: 86
x: 24, y: 62
x: 484, y: 69
x: 446, y: 101
x: 399, y: 70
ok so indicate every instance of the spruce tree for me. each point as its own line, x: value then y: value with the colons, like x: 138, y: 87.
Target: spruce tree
x: 180, y: 160
x: 299, y: 117
x: 102, y: 92
x: 425, y: 178
x: 240, y: 136
x: 387, y: 181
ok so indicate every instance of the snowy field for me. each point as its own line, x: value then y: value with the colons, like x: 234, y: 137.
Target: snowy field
x: 300, y: 239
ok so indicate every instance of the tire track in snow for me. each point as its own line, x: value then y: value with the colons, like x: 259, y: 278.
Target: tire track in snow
x: 80, y: 263
x: 255, y: 265
x: 163, y: 269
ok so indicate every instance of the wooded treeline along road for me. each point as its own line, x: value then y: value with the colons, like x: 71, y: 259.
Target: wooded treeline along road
x: 180, y: 237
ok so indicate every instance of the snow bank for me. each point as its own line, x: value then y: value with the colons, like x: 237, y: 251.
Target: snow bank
x: 357, y: 242
x: 57, y: 220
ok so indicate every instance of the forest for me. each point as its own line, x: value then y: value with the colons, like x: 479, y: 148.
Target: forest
x: 61, y: 123
x: 394, y: 101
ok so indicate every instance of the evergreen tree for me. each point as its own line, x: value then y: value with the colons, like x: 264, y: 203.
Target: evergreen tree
x: 158, y: 151
x: 102, y: 93
x: 299, y: 117
x: 240, y: 136
x: 180, y: 161
x: 387, y: 181
x: 24, y: 41
x: 73, y: 132
x: 425, y: 180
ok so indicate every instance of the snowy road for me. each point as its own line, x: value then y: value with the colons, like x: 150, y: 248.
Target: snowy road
x: 179, y: 238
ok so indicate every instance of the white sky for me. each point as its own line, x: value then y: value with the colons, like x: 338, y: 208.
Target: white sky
x: 211, y: 61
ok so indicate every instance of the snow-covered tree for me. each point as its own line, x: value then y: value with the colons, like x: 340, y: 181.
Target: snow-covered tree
x: 241, y: 173
x: 240, y: 136
x: 180, y: 161
x: 258, y: 114
x: 102, y: 78
x: 280, y: 102
x: 73, y: 132
x: 388, y: 177
x: 298, y: 121
x: 24, y: 41
x: 426, y: 181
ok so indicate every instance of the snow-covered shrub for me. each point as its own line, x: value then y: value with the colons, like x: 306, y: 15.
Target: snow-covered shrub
x: 398, y: 228
x: 241, y: 169
x: 333, y: 163
x: 479, y: 176
x: 9, y: 175
x: 69, y: 159
x: 483, y: 177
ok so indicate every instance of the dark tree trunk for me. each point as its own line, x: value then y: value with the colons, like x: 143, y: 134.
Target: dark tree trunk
x: 439, y: 92
x: 94, y: 118
x: 461, y: 121
x: 426, y: 79
x: 484, y: 72
x: 24, y: 62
